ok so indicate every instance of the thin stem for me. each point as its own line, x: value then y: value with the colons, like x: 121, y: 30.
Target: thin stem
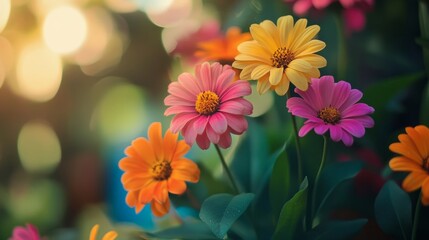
x: 416, y: 217
x: 316, y: 182
x: 297, y: 144
x: 225, y: 167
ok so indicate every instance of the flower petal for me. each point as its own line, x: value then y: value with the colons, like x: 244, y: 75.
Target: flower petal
x: 297, y: 78
x: 284, y: 25
x: 262, y: 37
x: 404, y: 164
x: 356, y: 110
x: 353, y: 127
x: 354, y: 96
x: 218, y: 122
x: 336, y: 133
x: 260, y: 70
x: 414, y: 180
x: 203, y: 141
x: 341, y: 93
x: 275, y: 75
x: 176, y: 186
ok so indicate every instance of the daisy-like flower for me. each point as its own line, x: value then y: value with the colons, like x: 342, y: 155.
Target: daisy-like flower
x: 332, y: 106
x: 25, y: 233
x: 413, y: 148
x: 280, y: 54
x: 108, y: 236
x: 210, y: 106
x: 154, y: 167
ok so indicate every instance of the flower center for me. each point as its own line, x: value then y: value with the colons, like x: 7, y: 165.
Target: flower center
x: 329, y: 115
x: 425, y: 164
x: 207, y: 103
x: 162, y: 170
x: 282, y: 57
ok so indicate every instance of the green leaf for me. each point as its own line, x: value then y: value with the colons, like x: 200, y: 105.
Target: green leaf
x: 337, y: 230
x: 392, y: 210
x: 194, y: 229
x: 220, y: 211
x: 292, y: 213
x: 280, y: 184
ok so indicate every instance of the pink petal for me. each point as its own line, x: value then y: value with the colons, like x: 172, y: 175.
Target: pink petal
x: 347, y: 139
x: 189, y: 133
x: 216, y: 70
x: 336, y: 132
x: 311, y: 97
x: 179, y: 109
x: 212, y: 135
x: 321, y: 128
x: 237, y: 106
x: 353, y: 127
x: 366, y: 121
x: 237, y: 89
x: 189, y: 83
x: 200, y: 123
x: 298, y: 107
x: 306, y: 128
x: 301, y: 7
x: 171, y: 100
x: 203, y: 141
x: 347, y: 3
x: 356, y: 110
x: 224, y: 79
x: 178, y: 90
x: 354, y: 97
x: 326, y: 87
x: 354, y: 19
x: 204, y: 76
x: 225, y: 140
x: 341, y: 93
x: 218, y: 122
x: 320, y: 4
x: 180, y: 120
x: 237, y: 122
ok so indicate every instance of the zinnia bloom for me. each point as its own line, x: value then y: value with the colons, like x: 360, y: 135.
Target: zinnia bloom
x: 25, y: 233
x: 414, y: 150
x: 108, y: 236
x: 281, y: 54
x: 155, y: 166
x: 210, y: 106
x: 332, y: 106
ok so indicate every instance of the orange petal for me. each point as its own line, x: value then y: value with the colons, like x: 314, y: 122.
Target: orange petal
x: 406, y: 150
x: 176, y: 186
x: 110, y: 235
x: 160, y: 209
x: 93, y: 233
x: 155, y: 138
x: 424, y: 132
x: 131, y: 164
x: 139, y: 207
x: 425, y: 188
x: 170, y: 144
x: 418, y: 140
x: 181, y: 149
x: 136, y: 183
x: 425, y: 200
x: 185, y: 175
x: 131, y: 198
x: 414, y: 180
x: 146, y: 194
x: 404, y: 164
x: 144, y: 150
x: 161, y: 192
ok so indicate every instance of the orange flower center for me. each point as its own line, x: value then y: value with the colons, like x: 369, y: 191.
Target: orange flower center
x: 162, y: 170
x: 207, y: 103
x: 329, y: 115
x: 282, y: 57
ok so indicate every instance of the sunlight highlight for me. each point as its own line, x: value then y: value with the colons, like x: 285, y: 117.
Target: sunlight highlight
x: 4, y: 13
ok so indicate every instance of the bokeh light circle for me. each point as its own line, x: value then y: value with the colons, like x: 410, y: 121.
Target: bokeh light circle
x: 4, y: 13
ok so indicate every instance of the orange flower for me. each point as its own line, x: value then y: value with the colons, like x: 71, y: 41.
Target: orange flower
x: 414, y: 150
x: 155, y: 167
x: 108, y: 236
x: 222, y: 49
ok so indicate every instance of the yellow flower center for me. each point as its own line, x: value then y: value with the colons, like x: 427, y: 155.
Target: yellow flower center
x: 282, y: 57
x: 162, y: 170
x: 207, y: 103
x: 329, y: 115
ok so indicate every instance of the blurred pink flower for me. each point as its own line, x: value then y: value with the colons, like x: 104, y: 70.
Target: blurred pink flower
x: 332, y: 106
x: 353, y: 12
x: 187, y: 46
x: 210, y: 106
x: 25, y: 233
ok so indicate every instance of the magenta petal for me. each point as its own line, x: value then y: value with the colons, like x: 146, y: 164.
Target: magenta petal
x: 354, y: 97
x: 298, y: 107
x: 354, y: 18
x: 347, y: 139
x: 237, y: 89
x: 212, y: 135
x: 201, y: 123
x: 356, y: 110
x: 301, y: 6
x: 353, y: 127
x: 203, y: 141
x: 326, y: 87
x: 321, y: 128
x: 218, y: 122
x: 320, y: 4
x: 366, y: 121
x: 180, y: 120
x: 311, y: 97
x: 336, y: 132
x: 341, y: 93
x: 307, y: 127
x: 225, y: 140
x: 237, y: 106
x: 237, y: 122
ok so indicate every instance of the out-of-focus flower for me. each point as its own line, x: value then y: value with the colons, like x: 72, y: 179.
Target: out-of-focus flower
x: 25, y: 233
x: 281, y: 54
x: 353, y: 10
x: 108, y: 236
x: 414, y: 150
x: 332, y: 106
x: 210, y: 106
x: 187, y: 46
x: 155, y: 166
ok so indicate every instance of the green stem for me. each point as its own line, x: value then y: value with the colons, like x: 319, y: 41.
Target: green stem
x: 316, y: 182
x: 226, y: 169
x: 297, y: 144
x: 416, y: 217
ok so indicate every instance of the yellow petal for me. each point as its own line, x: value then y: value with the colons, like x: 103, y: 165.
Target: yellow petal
x: 246, y: 72
x: 246, y: 57
x: 260, y: 71
x: 309, y: 48
x: 313, y: 73
x: 308, y: 34
x: 282, y: 88
x: 297, y: 78
x: 264, y: 38
x: 284, y: 25
x: 242, y: 64
x: 300, y: 65
x: 315, y: 60
x: 263, y: 85
x: 296, y: 31
x: 252, y: 48
x: 276, y: 75
x: 271, y: 29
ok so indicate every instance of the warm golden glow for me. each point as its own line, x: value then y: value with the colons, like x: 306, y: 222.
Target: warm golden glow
x: 122, y: 6
x: 38, y: 148
x: 4, y: 13
x: 64, y: 29
x: 172, y: 15
x: 38, y: 73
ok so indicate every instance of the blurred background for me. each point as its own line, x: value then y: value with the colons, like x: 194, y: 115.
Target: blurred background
x: 80, y: 79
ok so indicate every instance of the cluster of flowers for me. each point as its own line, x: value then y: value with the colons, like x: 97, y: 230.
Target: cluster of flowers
x: 209, y: 106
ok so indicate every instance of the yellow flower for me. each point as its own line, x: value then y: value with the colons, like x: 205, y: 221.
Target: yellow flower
x: 280, y: 54
x: 108, y: 236
x: 413, y: 148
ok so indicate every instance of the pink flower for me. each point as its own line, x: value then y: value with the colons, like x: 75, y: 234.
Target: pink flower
x: 25, y: 233
x: 208, y: 106
x: 332, y: 106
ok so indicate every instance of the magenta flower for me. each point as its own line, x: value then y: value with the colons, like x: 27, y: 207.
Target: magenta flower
x: 332, y: 106
x: 25, y: 233
x: 210, y: 106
